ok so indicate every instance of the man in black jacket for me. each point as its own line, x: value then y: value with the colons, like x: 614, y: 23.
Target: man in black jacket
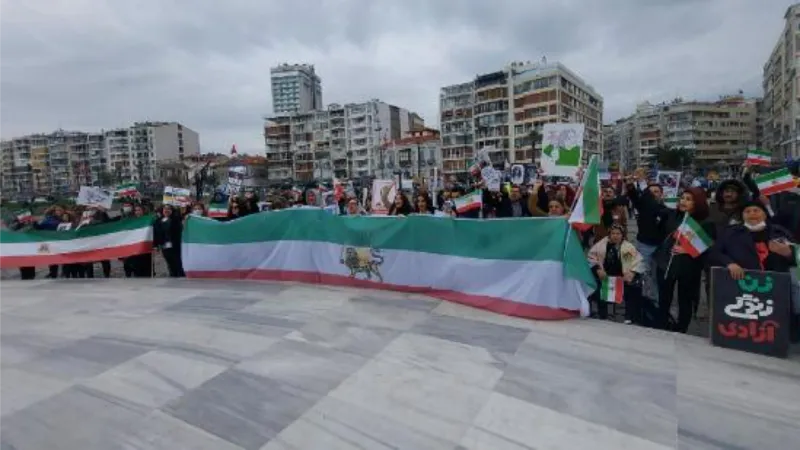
x: 650, y: 223
x: 514, y: 204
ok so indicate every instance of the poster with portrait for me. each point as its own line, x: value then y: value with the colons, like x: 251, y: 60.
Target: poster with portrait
x: 517, y: 175
x: 383, y: 193
x: 670, y: 182
x: 236, y: 179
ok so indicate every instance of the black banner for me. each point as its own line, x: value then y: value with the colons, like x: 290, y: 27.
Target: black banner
x: 752, y: 314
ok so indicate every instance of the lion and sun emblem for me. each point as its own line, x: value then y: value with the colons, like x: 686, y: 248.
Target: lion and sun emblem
x: 362, y: 260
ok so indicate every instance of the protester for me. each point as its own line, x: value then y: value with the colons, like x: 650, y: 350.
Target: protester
x: 676, y: 266
x: 514, y: 204
x: 754, y: 244
x: 423, y: 205
x: 613, y: 256
x: 400, y: 207
x: 51, y: 221
x: 651, y: 210
x: 141, y: 265
x: 167, y: 238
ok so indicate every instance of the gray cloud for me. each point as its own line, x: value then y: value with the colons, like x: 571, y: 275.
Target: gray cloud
x: 90, y: 64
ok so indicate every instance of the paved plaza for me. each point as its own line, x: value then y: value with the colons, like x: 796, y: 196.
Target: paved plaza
x: 182, y: 364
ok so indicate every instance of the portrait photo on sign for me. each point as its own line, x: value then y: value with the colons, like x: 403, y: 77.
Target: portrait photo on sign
x: 668, y: 180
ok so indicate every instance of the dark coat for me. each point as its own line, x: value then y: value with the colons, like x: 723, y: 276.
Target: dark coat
x: 505, y: 208
x: 651, y: 216
x: 736, y: 245
x: 169, y: 231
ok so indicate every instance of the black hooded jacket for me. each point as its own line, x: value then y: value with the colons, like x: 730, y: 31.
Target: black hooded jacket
x: 722, y: 217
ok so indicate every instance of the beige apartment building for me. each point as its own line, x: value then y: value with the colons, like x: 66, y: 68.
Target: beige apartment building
x: 499, y: 111
x: 62, y: 161
x: 719, y: 132
x: 342, y: 141
x: 781, y: 83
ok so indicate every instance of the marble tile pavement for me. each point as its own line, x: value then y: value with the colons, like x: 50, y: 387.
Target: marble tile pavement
x: 182, y: 364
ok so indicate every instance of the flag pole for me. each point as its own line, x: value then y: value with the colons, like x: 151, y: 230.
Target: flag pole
x: 574, y: 202
x: 672, y: 254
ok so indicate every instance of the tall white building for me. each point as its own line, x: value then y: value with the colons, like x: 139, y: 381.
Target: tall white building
x: 781, y: 83
x: 344, y: 141
x: 499, y: 110
x: 296, y: 88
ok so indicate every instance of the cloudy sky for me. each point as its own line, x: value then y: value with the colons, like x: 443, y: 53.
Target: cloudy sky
x: 92, y: 64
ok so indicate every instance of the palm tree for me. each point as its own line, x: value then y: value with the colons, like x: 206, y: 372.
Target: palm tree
x: 536, y: 141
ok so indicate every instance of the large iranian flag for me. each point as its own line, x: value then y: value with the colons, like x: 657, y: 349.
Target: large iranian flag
x: 589, y: 206
x: 86, y: 244
x: 541, y: 273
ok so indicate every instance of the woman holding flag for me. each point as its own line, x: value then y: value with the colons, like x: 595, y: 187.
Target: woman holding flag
x: 681, y: 256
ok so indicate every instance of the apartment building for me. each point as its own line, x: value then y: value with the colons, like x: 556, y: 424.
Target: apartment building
x: 455, y: 121
x: 342, y: 141
x: 417, y: 155
x: 500, y: 110
x: 54, y: 162
x: 296, y: 88
x: 62, y: 161
x: 719, y: 132
x: 133, y: 152
x: 618, y: 144
x: 781, y: 84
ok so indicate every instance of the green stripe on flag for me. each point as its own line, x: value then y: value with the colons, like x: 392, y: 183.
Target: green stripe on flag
x: 772, y: 176
x: 21, y: 237
x: 591, y: 201
x: 540, y: 239
x: 759, y: 152
x: 699, y: 232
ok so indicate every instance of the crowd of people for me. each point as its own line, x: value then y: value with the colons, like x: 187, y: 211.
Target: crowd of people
x: 750, y: 232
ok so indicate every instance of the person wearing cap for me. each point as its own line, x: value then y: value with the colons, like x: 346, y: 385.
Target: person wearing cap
x: 754, y: 244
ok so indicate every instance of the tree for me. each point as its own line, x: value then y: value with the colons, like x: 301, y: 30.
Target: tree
x: 536, y: 140
x: 106, y: 178
x: 674, y: 158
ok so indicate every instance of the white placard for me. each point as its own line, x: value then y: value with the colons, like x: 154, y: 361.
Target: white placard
x: 177, y: 196
x: 562, y: 149
x: 492, y: 177
x: 94, y: 196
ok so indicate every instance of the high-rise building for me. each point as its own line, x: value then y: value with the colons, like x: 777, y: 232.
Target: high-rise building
x: 342, y: 141
x: 719, y: 132
x: 500, y: 110
x: 296, y: 88
x: 62, y: 161
x: 781, y: 108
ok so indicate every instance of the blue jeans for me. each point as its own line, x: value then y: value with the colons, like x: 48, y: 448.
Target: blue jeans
x: 649, y: 282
